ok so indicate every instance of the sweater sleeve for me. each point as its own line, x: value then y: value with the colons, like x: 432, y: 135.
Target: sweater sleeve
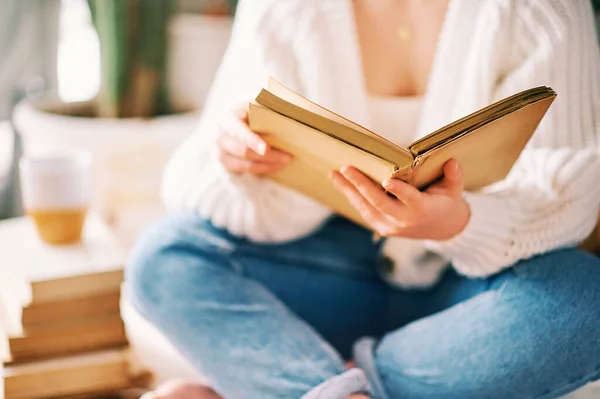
x: 194, y: 180
x: 551, y: 197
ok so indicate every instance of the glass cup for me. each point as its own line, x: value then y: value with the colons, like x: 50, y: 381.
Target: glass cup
x: 56, y: 191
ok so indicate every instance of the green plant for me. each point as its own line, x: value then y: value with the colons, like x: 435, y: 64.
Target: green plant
x: 133, y: 53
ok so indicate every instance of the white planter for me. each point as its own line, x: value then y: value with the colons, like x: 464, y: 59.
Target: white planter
x: 129, y: 155
x: 197, y: 44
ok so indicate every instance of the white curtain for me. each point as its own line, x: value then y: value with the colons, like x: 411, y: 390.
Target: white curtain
x: 28, y: 47
x: 28, y: 55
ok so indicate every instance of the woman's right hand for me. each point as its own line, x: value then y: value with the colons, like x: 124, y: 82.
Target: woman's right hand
x: 243, y: 151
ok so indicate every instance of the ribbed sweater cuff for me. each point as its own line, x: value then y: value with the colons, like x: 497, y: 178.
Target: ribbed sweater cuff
x: 483, y: 247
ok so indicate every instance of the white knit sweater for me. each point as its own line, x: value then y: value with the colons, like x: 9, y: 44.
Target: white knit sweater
x: 487, y: 50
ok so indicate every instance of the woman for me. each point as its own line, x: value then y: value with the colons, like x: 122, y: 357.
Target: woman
x: 266, y: 293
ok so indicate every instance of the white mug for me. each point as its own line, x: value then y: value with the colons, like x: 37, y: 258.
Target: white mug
x: 56, y: 192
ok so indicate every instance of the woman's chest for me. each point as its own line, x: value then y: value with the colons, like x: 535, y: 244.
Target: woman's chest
x: 398, y: 42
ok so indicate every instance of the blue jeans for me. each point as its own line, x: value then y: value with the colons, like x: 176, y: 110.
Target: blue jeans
x: 275, y: 320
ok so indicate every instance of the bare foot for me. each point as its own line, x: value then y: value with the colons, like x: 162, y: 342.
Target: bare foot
x: 358, y: 397
x: 177, y: 389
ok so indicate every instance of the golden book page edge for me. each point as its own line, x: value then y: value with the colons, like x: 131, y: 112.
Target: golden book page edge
x: 373, y: 145
x: 260, y: 108
x: 511, y: 104
x: 285, y: 94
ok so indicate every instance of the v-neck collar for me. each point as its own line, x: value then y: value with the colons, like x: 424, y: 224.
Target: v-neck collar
x: 445, y: 62
x: 447, y: 68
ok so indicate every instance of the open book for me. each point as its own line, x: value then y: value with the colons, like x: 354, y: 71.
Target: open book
x: 486, y: 143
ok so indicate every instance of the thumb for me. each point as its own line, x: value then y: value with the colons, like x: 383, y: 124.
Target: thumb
x: 453, y: 178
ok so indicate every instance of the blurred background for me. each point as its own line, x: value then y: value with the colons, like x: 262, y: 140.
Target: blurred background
x: 126, y: 81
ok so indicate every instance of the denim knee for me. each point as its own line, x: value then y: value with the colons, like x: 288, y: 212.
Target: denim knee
x: 569, y: 276
x: 158, y: 267
x: 534, y: 335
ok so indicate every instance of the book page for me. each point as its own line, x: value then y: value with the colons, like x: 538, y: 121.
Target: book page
x: 373, y: 144
x: 294, y: 98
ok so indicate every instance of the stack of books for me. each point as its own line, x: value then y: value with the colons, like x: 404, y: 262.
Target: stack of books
x: 71, y: 339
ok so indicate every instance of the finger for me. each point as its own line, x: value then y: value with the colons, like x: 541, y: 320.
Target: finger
x: 372, y: 192
x: 240, y: 150
x: 242, y: 112
x: 406, y: 193
x: 237, y: 148
x: 372, y: 216
x: 238, y: 129
x: 453, y: 181
x: 239, y: 165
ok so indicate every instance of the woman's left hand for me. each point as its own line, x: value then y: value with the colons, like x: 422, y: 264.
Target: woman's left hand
x: 438, y: 213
